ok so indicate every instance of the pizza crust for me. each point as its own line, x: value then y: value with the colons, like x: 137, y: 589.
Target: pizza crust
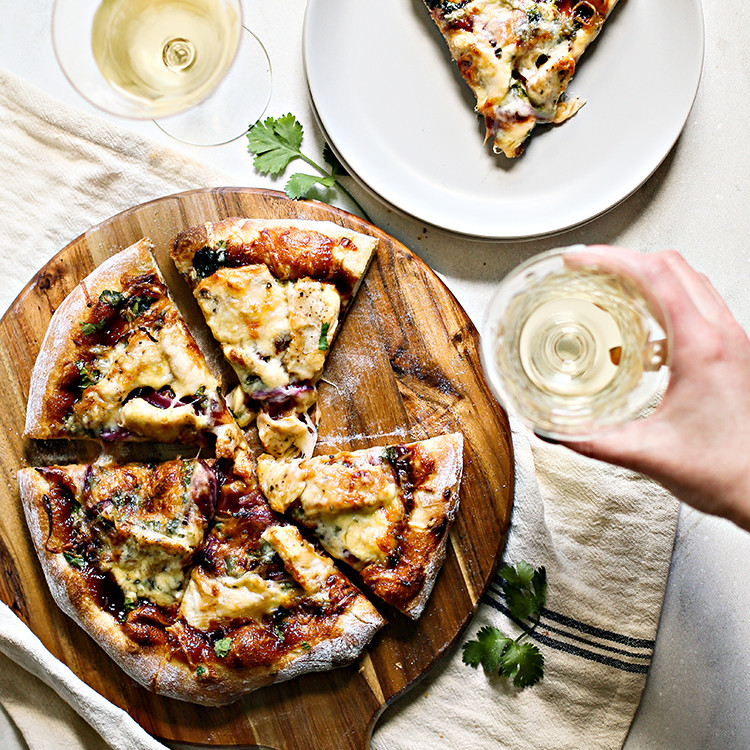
x: 58, y: 348
x: 69, y: 589
x: 354, y: 631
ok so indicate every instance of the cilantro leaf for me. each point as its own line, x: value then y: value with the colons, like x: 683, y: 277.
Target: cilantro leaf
x: 487, y: 649
x: 74, y: 560
x: 523, y: 662
x: 222, y: 647
x: 112, y: 298
x: 275, y: 143
x: 88, y: 328
x: 323, y: 340
x: 526, y: 592
x: 299, y: 184
x: 525, y: 589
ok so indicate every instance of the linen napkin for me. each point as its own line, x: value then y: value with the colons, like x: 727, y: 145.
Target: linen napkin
x: 604, y: 534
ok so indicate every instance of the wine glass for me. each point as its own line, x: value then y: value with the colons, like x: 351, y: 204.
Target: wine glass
x: 576, y: 343
x: 189, y: 65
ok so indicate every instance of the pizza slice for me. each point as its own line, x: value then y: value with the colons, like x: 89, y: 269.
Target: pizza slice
x: 119, y: 363
x: 262, y: 606
x: 272, y: 293
x: 384, y: 511
x: 518, y: 57
x: 116, y: 544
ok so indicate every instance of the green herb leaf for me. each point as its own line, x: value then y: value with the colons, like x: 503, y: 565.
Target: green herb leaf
x: 305, y: 646
x: 200, y: 670
x: 88, y: 376
x: 323, y: 340
x: 487, y: 649
x: 222, y: 647
x: 207, y: 261
x: 88, y: 328
x: 526, y: 592
x: 523, y: 662
x: 136, y: 306
x: 75, y: 561
x: 112, y: 298
x: 299, y: 185
x: 525, y: 589
x: 275, y: 143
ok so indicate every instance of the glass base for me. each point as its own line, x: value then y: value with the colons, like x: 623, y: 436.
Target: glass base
x: 236, y: 105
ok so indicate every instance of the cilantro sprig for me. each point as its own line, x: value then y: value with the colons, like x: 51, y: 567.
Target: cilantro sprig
x: 515, y: 658
x: 276, y: 142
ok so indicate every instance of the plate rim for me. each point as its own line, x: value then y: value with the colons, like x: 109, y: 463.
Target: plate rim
x: 504, y: 236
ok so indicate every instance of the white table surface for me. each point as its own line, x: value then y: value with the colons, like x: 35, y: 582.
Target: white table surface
x: 698, y: 690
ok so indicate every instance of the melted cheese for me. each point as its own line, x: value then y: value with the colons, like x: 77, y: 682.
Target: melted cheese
x: 269, y: 329
x: 143, y: 362
x: 224, y: 598
x: 353, y: 506
x: 523, y: 55
x: 308, y: 568
x: 149, y: 571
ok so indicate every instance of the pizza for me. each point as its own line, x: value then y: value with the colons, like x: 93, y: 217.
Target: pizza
x: 262, y: 606
x: 205, y: 579
x: 384, y: 511
x: 518, y: 57
x: 195, y: 613
x: 119, y: 363
x: 116, y: 544
x: 273, y: 292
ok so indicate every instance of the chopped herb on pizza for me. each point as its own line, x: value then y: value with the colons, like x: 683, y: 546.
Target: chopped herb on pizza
x: 195, y: 614
x: 116, y: 544
x: 119, y: 363
x: 262, y: 606
x: 518, y: 57
x: 384, y: 511
x: 273, y: 293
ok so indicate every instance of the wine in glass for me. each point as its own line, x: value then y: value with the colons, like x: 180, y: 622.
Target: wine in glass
x: 576, y: 343
x: 188, y: 64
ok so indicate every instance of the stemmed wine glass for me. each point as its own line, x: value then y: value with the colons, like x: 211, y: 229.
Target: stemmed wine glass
x: 576, y: 342
x: 189, y: 65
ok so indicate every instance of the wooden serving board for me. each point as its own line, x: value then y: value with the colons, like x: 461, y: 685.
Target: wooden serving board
x: 404, y: 366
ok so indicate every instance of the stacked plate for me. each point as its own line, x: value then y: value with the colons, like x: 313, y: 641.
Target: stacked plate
x: 396, y: 111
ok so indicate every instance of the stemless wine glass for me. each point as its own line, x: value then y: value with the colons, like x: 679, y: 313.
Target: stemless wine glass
x: 162, y: 60
x: 576, y: 343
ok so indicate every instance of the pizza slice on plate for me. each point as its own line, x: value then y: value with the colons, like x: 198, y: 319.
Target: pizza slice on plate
x: 384, y: 511
x: 116, y: 544
x: 272, y: 293
x: 518, y: 57
x: 119, y: 363
x: 262, y: 606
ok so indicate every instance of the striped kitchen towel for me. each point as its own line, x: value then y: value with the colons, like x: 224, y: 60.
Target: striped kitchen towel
x: 605, y: 536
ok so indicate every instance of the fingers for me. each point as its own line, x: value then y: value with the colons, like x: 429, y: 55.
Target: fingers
x: 623, y: 447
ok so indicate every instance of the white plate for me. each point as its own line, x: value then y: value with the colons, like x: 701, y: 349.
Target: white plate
x: 399, y: 115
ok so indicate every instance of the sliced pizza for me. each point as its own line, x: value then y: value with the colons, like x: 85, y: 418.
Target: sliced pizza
x: 272, y: 293
x: 518, y: 57
x: 119, y: 363
x: 384, y: 511
x: 262, y: 606
x: 116, y: 544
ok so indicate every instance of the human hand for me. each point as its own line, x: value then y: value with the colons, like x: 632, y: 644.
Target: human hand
x: 697, y: 443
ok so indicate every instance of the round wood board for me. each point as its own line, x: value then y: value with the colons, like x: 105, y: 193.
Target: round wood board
x: 404, y: 366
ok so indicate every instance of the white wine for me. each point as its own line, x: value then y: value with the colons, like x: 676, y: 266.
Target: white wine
x: 577, y: 347
x: 170, y: 54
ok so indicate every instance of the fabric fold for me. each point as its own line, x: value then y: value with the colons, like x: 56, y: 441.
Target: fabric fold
x: 604, y: 534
